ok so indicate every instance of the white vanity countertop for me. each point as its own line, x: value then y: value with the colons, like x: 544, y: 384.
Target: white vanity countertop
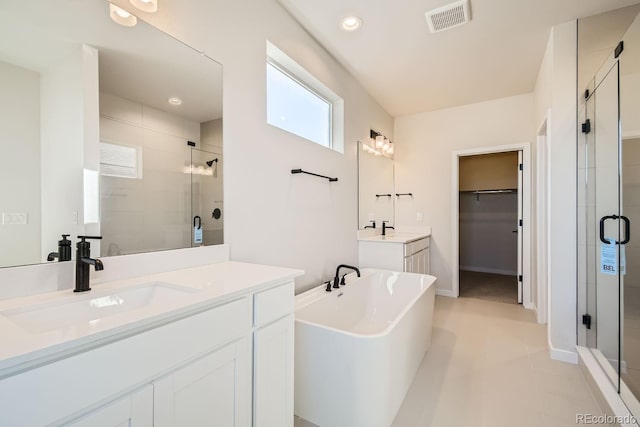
x: 395, y: 237
x: 207, y: 286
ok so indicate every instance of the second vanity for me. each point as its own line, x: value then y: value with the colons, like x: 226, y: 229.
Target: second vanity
x: 207, y: 345
x: 397, y: 251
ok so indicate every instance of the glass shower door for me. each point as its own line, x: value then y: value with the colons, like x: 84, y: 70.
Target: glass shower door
x: 629, y: 63
x: 600, y: 218
x: 206, y: 198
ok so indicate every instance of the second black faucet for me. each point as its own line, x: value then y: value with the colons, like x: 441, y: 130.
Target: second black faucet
x: 336, y: 280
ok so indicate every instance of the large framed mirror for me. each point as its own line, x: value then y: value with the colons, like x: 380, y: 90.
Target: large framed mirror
x: 376, y: 188
x: 106, y: 130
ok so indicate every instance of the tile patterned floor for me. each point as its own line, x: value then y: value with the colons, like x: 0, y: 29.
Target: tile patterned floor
x: 488, y: 366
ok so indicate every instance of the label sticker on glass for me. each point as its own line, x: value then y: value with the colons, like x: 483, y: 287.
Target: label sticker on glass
x: 197, y: 235
x: 609, y: 257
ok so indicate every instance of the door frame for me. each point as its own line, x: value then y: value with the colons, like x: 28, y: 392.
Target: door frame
x: 526, y: 213
x: 543, y: 218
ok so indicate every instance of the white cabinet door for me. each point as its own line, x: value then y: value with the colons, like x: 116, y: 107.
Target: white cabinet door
x: 407, y: 264
x: 214, y: 390
x: 427, y: 261
x: 418, y: 262
x: 273, y: 374
x: 134, y: 410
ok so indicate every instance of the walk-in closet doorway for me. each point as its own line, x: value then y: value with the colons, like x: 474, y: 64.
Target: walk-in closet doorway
x: 491, y: 217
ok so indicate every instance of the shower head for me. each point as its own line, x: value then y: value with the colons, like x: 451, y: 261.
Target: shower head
x: 211, y: 162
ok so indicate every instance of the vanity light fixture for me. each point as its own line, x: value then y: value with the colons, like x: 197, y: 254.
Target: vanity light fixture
x: 121, y: 16
x: 174, y: 100
x: 378, y: 145
x: 149, y: 6
x: 351, y: 23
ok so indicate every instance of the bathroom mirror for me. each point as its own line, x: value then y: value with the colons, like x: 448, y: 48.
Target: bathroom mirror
x: 104, y: 130
x: 376, y: 189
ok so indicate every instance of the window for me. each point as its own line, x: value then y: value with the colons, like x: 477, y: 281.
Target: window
x: 120, y: 161
x: 300, y: 104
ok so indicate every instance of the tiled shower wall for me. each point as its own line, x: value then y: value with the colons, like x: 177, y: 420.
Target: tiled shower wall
x: 151, y: 212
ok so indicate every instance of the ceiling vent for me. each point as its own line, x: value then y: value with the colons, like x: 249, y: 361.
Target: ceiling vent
x: 449, y: 16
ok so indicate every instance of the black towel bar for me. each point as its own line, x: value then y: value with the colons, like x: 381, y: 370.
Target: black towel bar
x: 295, y: 171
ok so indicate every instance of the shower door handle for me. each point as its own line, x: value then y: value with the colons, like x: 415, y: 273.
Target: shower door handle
x: 197, y: 222
x: 627, y: 230
x: 602, y: 221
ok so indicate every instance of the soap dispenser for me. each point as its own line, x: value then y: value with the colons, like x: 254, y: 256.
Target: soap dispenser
x: 64, y: 250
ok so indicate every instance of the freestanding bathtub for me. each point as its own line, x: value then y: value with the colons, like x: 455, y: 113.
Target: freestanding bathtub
x: 358, y: 348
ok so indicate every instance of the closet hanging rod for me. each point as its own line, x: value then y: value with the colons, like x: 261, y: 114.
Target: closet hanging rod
x: 489, y: 191
x: 295, y: 171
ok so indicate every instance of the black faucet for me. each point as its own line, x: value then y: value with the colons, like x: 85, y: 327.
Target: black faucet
x: 83, y: 263
x: 64, y: 250
x: 385, y: 227
x: 336, y: 280
x: 370, y: 226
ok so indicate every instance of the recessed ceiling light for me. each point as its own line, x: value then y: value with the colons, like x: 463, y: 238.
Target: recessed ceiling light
x: 174, y: 100
x: 351, y: 23
x: 121, y: 16
x: 149, y: 6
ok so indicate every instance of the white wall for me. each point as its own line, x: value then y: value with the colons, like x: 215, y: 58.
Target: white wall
x: 487, y: 241
x: 66, y: 88
x: 20, y: 141
x: 423, y: 150
x: 556, y: 90
x: 274, y: 217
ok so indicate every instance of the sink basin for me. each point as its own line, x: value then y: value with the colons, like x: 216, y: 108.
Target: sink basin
x: 92, y: 306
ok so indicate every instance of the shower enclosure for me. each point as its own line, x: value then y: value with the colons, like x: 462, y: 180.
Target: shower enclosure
x: 609, y: 196
x: 174, y: 201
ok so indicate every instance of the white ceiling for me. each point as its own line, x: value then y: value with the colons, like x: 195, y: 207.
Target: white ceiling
x: 407, y: 69
x: 139, y: 63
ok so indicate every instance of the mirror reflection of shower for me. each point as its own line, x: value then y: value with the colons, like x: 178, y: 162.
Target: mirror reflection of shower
x: 211, y: 162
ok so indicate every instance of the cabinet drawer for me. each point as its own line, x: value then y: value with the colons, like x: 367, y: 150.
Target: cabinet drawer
x: 272, y: 304
x: 415, y: 246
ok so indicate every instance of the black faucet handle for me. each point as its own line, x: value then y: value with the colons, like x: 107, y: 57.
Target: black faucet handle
x: 342, y: 281
x: 90, y: 237
x: 328, y: 289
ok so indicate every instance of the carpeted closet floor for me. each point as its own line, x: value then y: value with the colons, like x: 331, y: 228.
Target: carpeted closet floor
x: 489, y: 286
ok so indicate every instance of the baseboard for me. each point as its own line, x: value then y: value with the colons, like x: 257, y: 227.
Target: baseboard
x: 531, y: 306
x: 563, y: 355
x: 489, y: 270
x: 446, y: 293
